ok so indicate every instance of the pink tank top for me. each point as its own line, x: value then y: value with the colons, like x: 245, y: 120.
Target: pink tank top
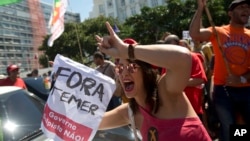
x: 184, y: 129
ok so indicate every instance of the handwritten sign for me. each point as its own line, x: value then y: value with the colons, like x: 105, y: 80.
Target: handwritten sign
x: 77, y: 102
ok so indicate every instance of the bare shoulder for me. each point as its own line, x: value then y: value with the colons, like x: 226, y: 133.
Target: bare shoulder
x: 123, y: 110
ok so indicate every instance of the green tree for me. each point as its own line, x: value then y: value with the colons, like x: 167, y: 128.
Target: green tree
x: 77, y: 41
x: 67, y: 44
x: 218, y: 11
x: 92, y: 27
x: 147, y: 26
x: 174, y: 17
x: 43, y: 59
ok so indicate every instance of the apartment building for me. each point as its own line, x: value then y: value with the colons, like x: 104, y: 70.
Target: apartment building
x: 121, y: 9
x: 23, y: 26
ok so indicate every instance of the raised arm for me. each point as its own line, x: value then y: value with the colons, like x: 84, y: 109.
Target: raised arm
x: 176, y: 59
x: 194, y: 29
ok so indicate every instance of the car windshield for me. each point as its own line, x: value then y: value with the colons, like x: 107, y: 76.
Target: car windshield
x: 36, y: 84
x: 20, y: 114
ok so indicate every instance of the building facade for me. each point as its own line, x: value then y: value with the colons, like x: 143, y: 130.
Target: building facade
x: 121, y: 9
x: 68, y: 16
x: 23, y: 26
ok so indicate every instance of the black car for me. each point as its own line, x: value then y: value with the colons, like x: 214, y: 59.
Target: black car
x: 36, y: 85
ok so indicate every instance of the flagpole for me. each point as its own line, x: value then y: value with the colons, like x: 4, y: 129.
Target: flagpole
x: 217, y: 39
x: 79, y: 44
x: 77, y: 35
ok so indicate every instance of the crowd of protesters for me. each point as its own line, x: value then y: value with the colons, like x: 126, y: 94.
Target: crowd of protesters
x: 218, y: 84
x: 231, y: 74
x: 174, y: 90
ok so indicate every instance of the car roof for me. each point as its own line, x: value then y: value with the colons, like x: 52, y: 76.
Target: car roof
x: 6, y: 89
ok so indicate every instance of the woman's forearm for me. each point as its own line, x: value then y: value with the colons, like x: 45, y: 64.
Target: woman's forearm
x: 167, y: 56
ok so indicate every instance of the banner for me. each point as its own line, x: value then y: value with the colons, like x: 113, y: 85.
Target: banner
x: 5, y: 2
x: 185, y: 35
x: 77, y: 101
x: 56, y: 23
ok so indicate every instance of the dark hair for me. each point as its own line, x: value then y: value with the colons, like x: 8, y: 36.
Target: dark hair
x: 172, y: 38
x: 35, y: 71
x: 150, y: 84
x: 28, y: 75
x: 98, y: 55
x: 49, y: 73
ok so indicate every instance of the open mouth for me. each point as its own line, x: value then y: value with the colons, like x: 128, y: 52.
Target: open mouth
x: 245, y: 16
x: 129, y: 86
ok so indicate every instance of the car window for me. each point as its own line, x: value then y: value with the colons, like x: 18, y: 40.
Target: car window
x: 20, y: 115
x: 37, y: 87
x: 37, y: 84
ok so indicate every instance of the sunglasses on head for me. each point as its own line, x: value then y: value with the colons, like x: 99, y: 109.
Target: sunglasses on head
x: 131, y: 68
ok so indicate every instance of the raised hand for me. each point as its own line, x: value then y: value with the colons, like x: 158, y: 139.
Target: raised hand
x: 51, y: 63
x: 112, y: 44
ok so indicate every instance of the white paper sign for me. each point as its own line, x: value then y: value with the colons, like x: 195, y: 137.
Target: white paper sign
x: 185, y: 35
x: 77, y: 102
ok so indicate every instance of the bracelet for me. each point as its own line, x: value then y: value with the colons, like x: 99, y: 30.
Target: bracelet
x: 131, y: 54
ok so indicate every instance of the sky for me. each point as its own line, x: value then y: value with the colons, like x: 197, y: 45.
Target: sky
x: 78, y: 6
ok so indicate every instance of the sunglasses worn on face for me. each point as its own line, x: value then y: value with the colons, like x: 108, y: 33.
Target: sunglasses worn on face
x: 131, y: 68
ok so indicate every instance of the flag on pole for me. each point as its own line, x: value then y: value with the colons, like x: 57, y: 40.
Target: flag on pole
x: 56, y: 23
x: 5, y: 2
x: 116, y: 29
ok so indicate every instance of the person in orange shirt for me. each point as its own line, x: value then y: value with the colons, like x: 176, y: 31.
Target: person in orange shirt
x: 231, y: 92
x: 13, y: 77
